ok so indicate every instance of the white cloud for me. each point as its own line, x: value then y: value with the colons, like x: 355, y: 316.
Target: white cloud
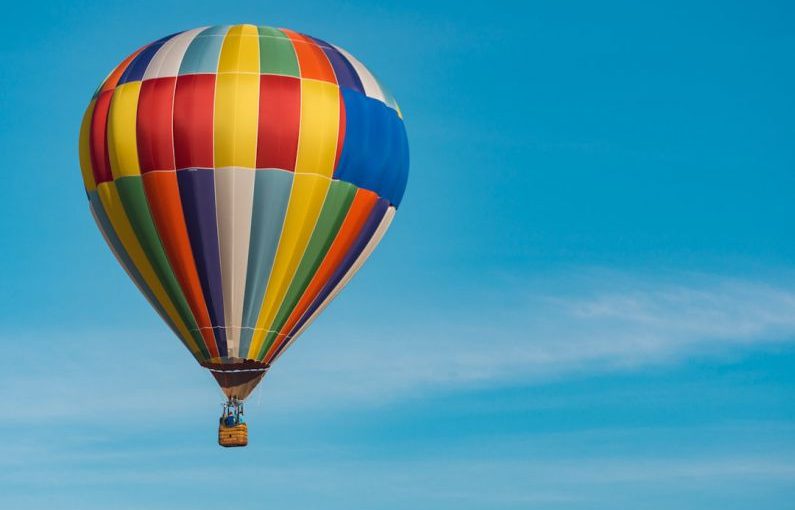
x: 472, y: 481
x: 601, y: 322
x: 607, y: 323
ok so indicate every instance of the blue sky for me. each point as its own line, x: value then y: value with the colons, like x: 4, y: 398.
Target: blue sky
x: 587, y: 299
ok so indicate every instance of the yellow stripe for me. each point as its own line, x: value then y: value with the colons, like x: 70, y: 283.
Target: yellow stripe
x: 320, y: 119
x: 237, y: 99
x: 111, y: 202
x: 306, y: 200
x: 85, y: 155
x: 122, y: 141
x: 240, y: 51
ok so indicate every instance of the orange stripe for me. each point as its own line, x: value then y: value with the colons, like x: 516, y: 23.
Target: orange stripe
x: 362, y: 204
x: 313, y: 62
x: 162, y: 193
x: 115, y: 76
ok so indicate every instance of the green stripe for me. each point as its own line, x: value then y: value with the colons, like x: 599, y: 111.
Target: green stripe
x: 338, y: 201
x: 133, y: 198
x: 126, y: 261
x: 276, y: 53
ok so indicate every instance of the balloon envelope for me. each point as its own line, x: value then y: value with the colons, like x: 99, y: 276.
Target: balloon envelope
x: 242, y: 175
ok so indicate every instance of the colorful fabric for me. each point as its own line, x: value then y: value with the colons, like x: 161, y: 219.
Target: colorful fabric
x: 241, y: 175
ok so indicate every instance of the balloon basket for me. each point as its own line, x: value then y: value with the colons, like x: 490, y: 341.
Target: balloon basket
x: 231, y: 437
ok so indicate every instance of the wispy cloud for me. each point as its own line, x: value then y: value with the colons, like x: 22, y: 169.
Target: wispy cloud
x: 472, y: 481
x: 614, y: 322
x: 602, y: 322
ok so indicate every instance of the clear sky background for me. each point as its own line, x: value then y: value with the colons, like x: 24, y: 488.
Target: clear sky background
x: 587, y: 299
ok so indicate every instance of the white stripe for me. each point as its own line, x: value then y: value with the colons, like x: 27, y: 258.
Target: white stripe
x: 370, y: 84
x: 168, y: 58
x: 360, y: 260
x: 234, y: 199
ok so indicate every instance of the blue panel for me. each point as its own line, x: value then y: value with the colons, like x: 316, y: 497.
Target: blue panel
x: 395, y: 185
x: 204, y: 51
x: 343, y: 70
x: 271, y: 195
x: 197, y: 193
x: 356, y: 164
x: 135, y: 71
x: 219, y: 30
x: 403, y: 176
x: 374, y: 152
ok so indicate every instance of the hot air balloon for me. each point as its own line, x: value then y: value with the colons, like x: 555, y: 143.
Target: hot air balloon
x: 242, y: 175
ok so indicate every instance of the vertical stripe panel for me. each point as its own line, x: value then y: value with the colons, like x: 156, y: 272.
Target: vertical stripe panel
x: 122, y: 142
x: 235, y: 140
x: 84, y: 148
x: 234, y: 195
x: 341, y: 133
x: 135, y: 71
x: 197, y: 194
x: 371, y: 86
x: 162, y: 194
x: 376, y: 238
x: 235, y: 119
x: 320, y: 117
x: 313, y: 63
x: 271, y: 196
x: 279, y: 118
x: 343, y: 70
x: 168, y: 59
x: 98, y: 142
x: 306, y: 199
x: 362, y: 154
x: 113, y: 78
x: 193, y: 121
x: 396, y: 173
x: 154, y: 128
x: 235, y: 129
x: 240, y: 52
x: 277, y: 55
x: 203, y: 52
x: 375, y: 151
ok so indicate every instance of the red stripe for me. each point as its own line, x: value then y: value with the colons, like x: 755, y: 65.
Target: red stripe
x: 193, y: 121
x: 98, y: 139
x: 162, y: 194
x: 154, y: 129
x: 279, y: 119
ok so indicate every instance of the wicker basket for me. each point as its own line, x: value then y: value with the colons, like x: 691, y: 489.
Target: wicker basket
x: 233, y: 436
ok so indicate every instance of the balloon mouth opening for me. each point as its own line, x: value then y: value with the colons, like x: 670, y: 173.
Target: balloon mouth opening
x: 237, y: 378
x: 236, y: 365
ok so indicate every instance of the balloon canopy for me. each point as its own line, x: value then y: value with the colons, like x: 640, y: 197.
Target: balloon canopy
x: 242, y: 175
